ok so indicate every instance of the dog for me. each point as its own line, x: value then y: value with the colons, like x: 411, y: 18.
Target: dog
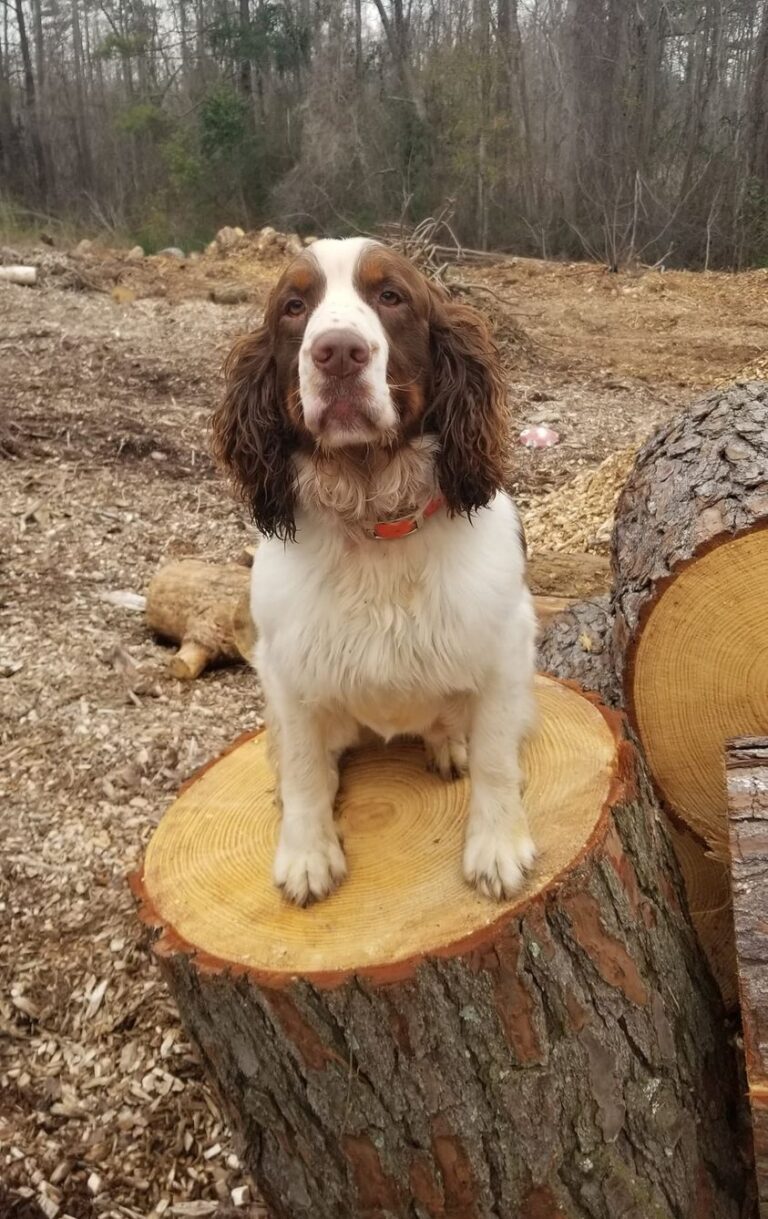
x: 365, y: 424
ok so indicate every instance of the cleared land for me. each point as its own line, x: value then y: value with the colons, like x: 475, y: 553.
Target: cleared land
x: 110, y: 369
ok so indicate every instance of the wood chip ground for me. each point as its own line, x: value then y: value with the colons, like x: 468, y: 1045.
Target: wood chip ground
x: 104, y: 474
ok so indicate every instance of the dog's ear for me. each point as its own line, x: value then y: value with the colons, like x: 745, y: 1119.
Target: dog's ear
x: 252, y: 438
x: 468, y: 407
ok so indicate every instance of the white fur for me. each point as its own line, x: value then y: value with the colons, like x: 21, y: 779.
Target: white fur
x: 432, y: 634
x: 343, y: 307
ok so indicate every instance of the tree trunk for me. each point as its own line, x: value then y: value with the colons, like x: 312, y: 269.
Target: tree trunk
x: 396, y: 31
x: 757, y: 109
x: 358, y: 40
x: 690, y: 555
x: 511, y: 44
x: 246, y: 85
x: 6, y: 117
x: 81, y: 123
x: 747, y: 782
x: 30, y: 105
x: 407, y: 1049
x: 576, y: 646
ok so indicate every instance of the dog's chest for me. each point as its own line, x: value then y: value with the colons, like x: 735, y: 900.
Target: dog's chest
x: 389, y: 620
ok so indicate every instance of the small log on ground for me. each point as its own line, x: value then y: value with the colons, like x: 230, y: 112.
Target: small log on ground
x: 560, y: 574
x: 690, y: 555
x: 206, y: 608
x: 201, y: 606
x: 747, y: 784
x: 26, y: 276
x: 409, y: 1049
x: 576, y: 647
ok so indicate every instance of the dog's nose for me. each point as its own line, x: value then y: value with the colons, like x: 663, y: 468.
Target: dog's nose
x: 340, y: 353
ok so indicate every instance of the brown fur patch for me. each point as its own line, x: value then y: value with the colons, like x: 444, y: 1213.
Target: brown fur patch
x: 443, y: 372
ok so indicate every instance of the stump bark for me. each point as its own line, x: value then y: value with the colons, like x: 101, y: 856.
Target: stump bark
x: 690, y: 635
x: 576, y: 646
x: 407, y: 1048
x: 747, y: 783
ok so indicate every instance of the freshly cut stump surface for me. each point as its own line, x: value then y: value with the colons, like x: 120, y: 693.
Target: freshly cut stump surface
x: 409, y: 1050
x: 208, y: 867
x: 690, y: 554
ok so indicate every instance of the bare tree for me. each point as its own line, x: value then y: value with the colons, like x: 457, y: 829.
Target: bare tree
x: 618, y: 128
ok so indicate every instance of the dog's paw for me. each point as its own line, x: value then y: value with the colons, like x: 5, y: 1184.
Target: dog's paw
x: 311, y: 871
x: 448, y: 758
x: 497, y: 863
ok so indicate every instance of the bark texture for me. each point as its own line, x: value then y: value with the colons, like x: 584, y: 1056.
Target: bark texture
x: 703, y: 476
x: 576, y: 646
x: 747, y: 779
x: 569, y: 1065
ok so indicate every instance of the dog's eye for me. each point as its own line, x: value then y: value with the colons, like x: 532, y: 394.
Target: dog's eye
x: 389, y: 297
x: 294, y: 307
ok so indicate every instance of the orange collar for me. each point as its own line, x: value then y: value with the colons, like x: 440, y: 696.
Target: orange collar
x: 390, y: 531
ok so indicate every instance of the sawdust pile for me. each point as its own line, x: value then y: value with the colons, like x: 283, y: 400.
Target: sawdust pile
x: 578, y: 516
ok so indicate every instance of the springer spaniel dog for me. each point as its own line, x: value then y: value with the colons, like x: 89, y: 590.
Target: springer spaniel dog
x: 365, y: 424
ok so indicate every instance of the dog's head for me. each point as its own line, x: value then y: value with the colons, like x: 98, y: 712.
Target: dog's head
x: 358, y: 348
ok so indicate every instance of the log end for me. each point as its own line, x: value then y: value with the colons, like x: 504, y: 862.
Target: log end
x: 190, y: 660
x: 207, y: 874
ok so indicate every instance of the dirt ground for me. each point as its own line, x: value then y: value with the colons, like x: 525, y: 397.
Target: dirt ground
x: 109, y: 371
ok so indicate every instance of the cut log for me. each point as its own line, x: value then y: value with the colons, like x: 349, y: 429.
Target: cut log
x: 747, y: 783
x: 407, y: 1048
x: 690, y: 554
x: 555, y: 574
x: 550, y: 573
x: 708, y: 892
x: 206, y: 608
x: 548, y: 608
x: 576, y: 647
x: 26, y: 276
x: 200, y: 605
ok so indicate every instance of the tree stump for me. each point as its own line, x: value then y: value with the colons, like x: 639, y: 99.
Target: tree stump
x: 747, y: 782
x: 409, y: 1049
x: 690, y: 637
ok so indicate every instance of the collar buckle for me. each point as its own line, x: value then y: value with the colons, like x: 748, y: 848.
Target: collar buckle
x: 404, y: 526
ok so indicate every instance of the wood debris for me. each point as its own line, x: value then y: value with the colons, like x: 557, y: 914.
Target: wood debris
x: 104, y: 476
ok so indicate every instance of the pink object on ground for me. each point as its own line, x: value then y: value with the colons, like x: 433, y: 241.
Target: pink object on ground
x: 539, y: 436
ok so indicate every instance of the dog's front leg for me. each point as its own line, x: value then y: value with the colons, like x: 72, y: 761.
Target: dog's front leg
x: 309, y: 861
x: 498, y: 847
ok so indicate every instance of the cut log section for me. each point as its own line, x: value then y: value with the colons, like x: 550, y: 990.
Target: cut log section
x: 559, y: 574
x: 690, y: 554
x: 407, y: 1048
x: 576, y: 647
x: 747, y: 783
x: 708, y: 891
x: 204, y: 608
